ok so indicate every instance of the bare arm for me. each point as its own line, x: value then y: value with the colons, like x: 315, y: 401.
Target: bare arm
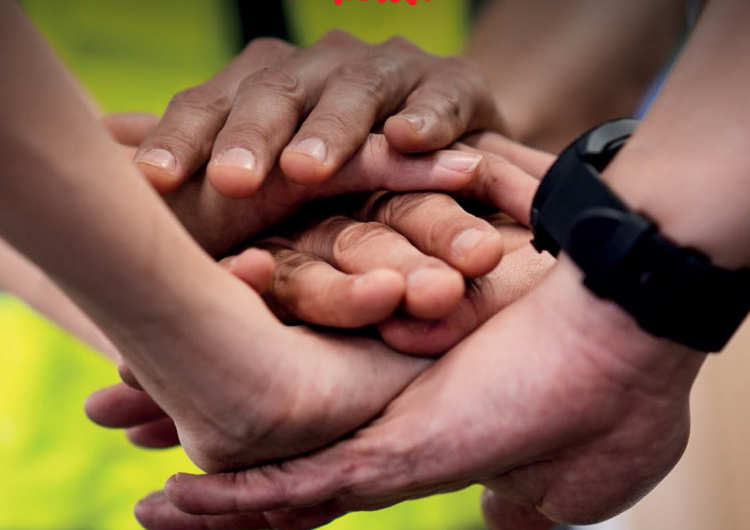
x: 558, y: 68
x: 25, y: 280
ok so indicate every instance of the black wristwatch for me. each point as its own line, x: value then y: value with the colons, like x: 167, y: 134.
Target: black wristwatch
x: 673, y: 292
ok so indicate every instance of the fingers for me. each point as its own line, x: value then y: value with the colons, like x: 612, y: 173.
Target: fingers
x: 307, y: 288
x: 310, y: 289
x: 120, y: 406
x: 184, y: 138
x: 533, y: 161
x: 376, y: 166
x: 128, y: 377
x: 432, y: 287
x: 359, y: 474
x: 501, y: 514
x: 155, y: 512
x: 158, y: 434
x: 299, y: 483
x: 254, y: 266
x: 357, y: 95
x: 130, y: 128
x: 220, y: 224
x: 267, y: 109
x: 437, y: 225
x: 503, y: 185
x: 517, y: 274
x: 450, y: 101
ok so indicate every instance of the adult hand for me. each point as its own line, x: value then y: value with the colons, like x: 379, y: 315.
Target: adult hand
x: 559, y: 404
x: 330, y: 259
x: 312, y: 109
x: 271, y: 390
x: 127, y: 406
x: 149, y: 426
x: 220, y: 224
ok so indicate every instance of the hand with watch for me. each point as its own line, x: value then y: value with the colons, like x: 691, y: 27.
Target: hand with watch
x: 565, y: 405
x: 569, y: 411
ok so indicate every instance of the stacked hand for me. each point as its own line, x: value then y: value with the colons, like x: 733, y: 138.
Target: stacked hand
x: 556, y: 396
x: 321, y: 246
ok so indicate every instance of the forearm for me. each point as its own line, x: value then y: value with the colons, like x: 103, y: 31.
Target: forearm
x: 558, y: 68
x: 23, y: 279
x: 69, y: 199
x: 688, y: 165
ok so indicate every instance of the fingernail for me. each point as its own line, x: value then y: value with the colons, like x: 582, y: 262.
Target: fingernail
x: 237, y: 157
x: 467, y: 240
x: 422, y: 278
x: 160, y: 158
x: 155, y: 498
x: 314, y: 148
x: 416, y: 121
x: 458, y: 161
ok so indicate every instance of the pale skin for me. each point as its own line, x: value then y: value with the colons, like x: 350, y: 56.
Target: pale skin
x: 588, y: 411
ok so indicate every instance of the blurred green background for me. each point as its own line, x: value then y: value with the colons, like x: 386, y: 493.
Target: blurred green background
x: 58, y: 471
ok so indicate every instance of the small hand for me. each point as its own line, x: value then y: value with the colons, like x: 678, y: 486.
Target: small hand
x: 312, y: 109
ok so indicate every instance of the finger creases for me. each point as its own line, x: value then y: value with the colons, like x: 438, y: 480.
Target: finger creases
x: 432, y: 287
x: 182, y: 141
x: 310, y: 289
x: 266, y: 110
x: 448, y: 103
x: 438, y: 226
x: 357, y: 95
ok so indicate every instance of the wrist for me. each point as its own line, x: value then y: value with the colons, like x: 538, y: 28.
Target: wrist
x: 612, y: 338
x: 694, y: 205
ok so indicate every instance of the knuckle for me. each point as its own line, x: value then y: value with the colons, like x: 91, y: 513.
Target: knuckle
x: 357, y: 235
x: 272, y: 477
x: 248, y: 132
x: 336, y: 123
x: 202, y: 99
x: 385, y: 468
x: 276, y: 80
x: 466, y: 76
x: 400, y: 208
x: 450, y: 106
x: 403, y: 45
x: 269, y: 46
x: 366, y: 76
x: 182, y: 139
x: 289, y: 263
x: 338, y: 38
x: 318, y: 239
